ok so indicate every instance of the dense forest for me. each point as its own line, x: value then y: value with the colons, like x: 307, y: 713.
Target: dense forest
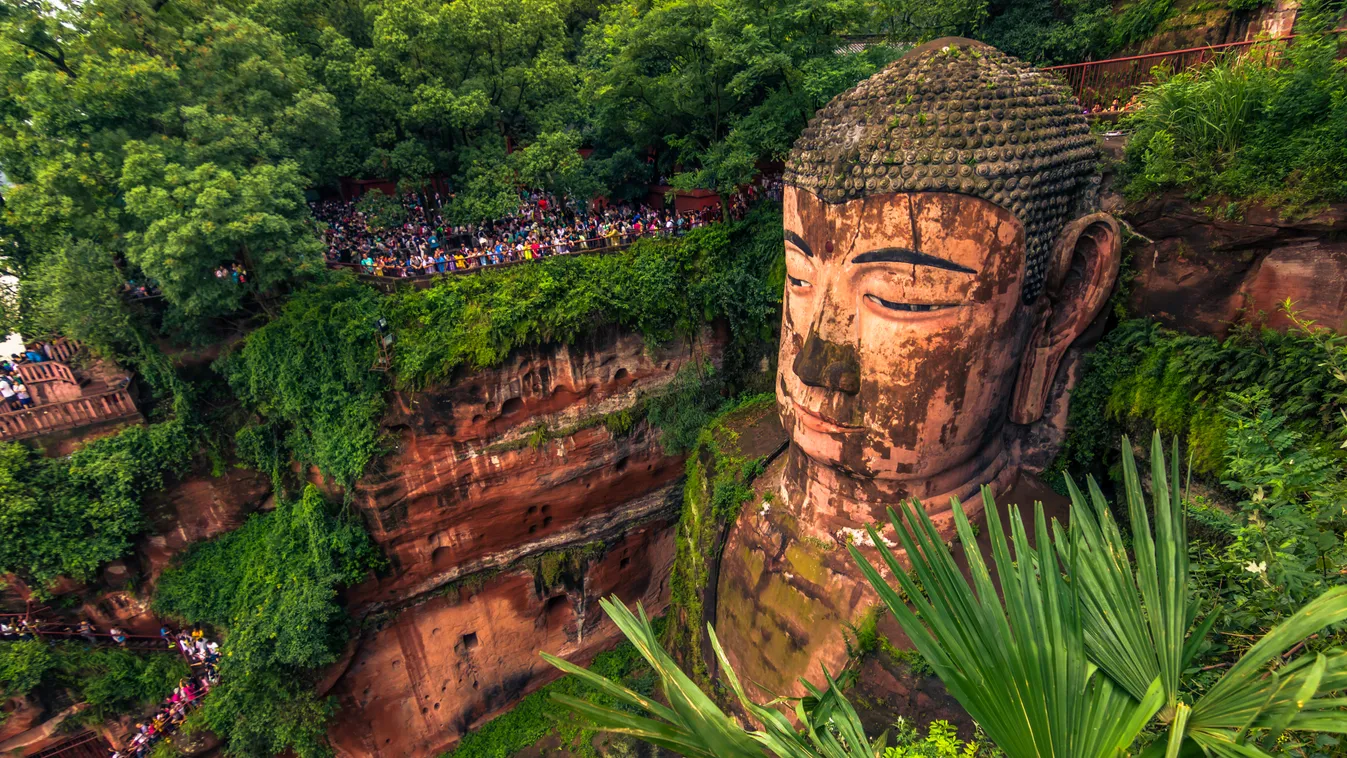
x: 155, y: 140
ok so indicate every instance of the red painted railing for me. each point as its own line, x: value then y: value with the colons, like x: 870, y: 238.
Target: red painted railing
x: 46, y: 371
x: 54, y: 417
x: 82, y: 745
x: 1111, y: 83
x: 63, y: 348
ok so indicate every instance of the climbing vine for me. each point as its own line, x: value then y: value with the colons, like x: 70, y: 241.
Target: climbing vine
x: 272, y: 585
x: 309, y: 375
x: 69, y: 516
x: 718, y: 482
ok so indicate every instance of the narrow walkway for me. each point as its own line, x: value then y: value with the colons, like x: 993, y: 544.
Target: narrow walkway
x: 201, y: 655
x: 1106, y: 87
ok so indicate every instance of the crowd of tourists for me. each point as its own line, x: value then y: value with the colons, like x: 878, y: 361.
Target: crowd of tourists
x: 204, y: 656
x: 541, y: 226
x: 1115, y: 107
x: 201, y: 654
x: 14, y: 392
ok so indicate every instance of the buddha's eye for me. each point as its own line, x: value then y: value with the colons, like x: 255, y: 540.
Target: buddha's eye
x: 910, y: 307
x: 799, y: 283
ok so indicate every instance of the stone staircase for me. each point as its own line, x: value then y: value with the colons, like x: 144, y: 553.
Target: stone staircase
x: 64, y: 399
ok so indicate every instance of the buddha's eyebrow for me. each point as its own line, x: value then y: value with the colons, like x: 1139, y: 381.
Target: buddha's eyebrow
x: 903, y: 255
x: 799, y: 242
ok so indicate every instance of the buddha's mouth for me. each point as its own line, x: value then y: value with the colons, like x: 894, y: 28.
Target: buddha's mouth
x: 817, y: 423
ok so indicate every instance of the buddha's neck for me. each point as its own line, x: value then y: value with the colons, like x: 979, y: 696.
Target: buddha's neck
x: 827, y: 501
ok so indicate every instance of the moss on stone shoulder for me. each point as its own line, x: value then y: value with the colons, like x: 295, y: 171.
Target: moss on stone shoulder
x: 719, y: 475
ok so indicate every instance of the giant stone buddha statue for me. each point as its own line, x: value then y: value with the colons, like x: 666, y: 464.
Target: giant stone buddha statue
x: 943, y: 252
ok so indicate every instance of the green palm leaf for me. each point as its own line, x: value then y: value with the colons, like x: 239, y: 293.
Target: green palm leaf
x: 1019, y: 668
x: 693, y: 725
x: 1138, y: 617
x: 1136, y: 627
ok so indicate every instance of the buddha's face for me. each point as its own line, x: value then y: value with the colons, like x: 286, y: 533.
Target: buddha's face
x: 902, y: 330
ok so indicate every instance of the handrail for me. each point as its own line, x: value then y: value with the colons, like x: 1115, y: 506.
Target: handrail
x: 46, y: 371
x: 52, y: 417
x: 1150, y: 56
x: 1111, y: 80
x: 78, y: 740
x: 138, y: 641
x: 62, y: 348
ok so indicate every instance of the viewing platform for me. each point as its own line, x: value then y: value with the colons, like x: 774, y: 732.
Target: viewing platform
x: 65, y: 399
x: 387, y: 278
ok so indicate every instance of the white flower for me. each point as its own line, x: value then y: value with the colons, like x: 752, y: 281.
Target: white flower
x: 1256, y: 568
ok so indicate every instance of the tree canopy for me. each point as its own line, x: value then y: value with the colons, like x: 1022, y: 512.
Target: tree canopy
x: 159, y: 140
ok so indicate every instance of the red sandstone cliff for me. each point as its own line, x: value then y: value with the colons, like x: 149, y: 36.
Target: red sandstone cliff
x: 495, y: 480
x: 1204, y: 272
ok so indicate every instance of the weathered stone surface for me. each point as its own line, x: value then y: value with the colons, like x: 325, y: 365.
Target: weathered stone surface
x: 786, y: 599
x: 20, y: 714
x: 923, y: 332
x: 198, y: 507
x: 437, y: 668
x: 475, y: 483
x: 1204, y: 273
x: 488, y: 471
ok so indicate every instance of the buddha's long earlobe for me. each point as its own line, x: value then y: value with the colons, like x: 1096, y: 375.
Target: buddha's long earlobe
x: 1081, y: 276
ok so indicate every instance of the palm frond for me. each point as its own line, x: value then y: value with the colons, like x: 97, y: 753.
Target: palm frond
x: 1019, y: 669
x: 1300, y: 695
x: 1138, y: 616
x: 693, y: 725
x: 1136, y: 627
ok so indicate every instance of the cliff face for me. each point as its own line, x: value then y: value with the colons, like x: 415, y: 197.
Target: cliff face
x: 437, y: 668
x: 1204, y: 273
x: 512, y: 500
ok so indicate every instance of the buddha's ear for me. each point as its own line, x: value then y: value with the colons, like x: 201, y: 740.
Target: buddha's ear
x: 1080, y: 278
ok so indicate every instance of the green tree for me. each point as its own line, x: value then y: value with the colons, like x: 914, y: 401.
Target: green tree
x: 163, y: 140
x: 553, y: 162
x: 69, y: 516
x: 717, y: 86
x: 272, y: 586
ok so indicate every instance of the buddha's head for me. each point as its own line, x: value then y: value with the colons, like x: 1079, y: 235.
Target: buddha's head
x: 942, y: 253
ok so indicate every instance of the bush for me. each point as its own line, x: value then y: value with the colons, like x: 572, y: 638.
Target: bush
x: 115, y: 682
x: 308, y: 373
x: 272, y: 586
x: 1142, y: 376
x: 940, y: 741
x: 1263, y: 125
x: 68, y: 516
x: 111, y: 681
x: 23, y: 666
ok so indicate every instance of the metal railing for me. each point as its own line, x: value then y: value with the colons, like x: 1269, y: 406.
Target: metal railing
x: 62, y: 633
x: 1111, y: 83
x: 54, y: 417
x: 46, y: 371
x: 83, y: 745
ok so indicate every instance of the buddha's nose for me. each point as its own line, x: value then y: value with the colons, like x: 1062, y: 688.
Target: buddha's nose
x: 829, y: 365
